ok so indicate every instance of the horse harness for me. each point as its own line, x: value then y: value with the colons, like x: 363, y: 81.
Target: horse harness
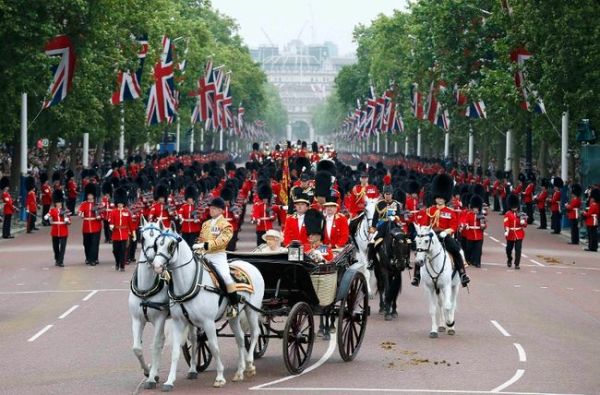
x: 435, y: 278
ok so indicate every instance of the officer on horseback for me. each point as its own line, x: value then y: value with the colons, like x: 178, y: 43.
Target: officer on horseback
x: 444, y: 222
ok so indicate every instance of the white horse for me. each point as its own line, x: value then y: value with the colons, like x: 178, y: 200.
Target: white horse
x: 148, y: 302
x: 197, y: 301
x: 441, y: 283
x: 362, y: 238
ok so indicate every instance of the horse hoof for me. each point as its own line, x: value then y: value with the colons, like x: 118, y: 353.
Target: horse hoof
x: 166, y: 388
x: 327, y: 336
x: 371, y: 296
x: 381, y: 310
x: 192, y: 375
x: 332, y: 329
x: 219, y: 383
x: 451, y: 331
x: 395, y: 314
x: 146, y: 374
x: 441, y: 329
x: 250, y: 371
x: 238, y: 377
x: 388, y: 317
x: 149, y: 385
x: 433, y: 335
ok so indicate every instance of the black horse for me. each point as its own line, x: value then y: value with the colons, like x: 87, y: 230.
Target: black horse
x: 391, y: 257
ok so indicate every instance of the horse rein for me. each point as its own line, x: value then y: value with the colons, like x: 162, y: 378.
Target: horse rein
x: 430, y: 259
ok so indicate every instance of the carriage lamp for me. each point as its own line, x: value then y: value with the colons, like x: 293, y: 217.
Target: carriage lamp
x: 295, y: 251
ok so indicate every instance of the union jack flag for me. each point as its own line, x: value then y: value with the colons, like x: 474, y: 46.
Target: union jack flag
x: 520, y: 56
x: 476, y: 110
x: 435, y: 114
x: 63, y: 72
x: 161, y: 100
x: 128, y: 84
x: 240, y: 117
x: 218, y: 77
x: 416, y: 101
x: 205, y: 92
x: 398, y: 124
x: 226, y: 103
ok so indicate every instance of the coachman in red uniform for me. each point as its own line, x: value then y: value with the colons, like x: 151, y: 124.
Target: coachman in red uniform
x: 592, y: 216
x: 444, y: 221
x: 46, y: 197
x: 189, y: 216
x: 514, y: 230
x: 31, y: 204
x: 121, y: 227
x: 8, y: 207
x: 573, y: 208
x: 295, y: 228
x: 59, y: 222
x: 335, y: 233
x: 91, y: 225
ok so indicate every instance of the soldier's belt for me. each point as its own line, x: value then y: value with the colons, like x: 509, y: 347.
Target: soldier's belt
x: 515, y: 228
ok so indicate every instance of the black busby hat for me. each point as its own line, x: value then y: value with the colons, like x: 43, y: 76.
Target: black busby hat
x: 107, y: 188
x: 522, y: 177
x: 227, y: 194
x: 230, y: 166
x: 69, y: 174
x: 303, y: 144
x: 595, y: 194
x: 315, y: 146
x: 29, y: 183
x: 558, y: 182
x: 313, y: 220
x: 190, y: 192
x: 264, y: 191
x: 255, y: 146
x: 478, y: 189
x: 322, y: 183
x: 327, y: 165
x: 218, y: 203
x: 55, y: 177
x: 441, y: 187
x: 399, y: 196
x: 302, y: 198
x: 4, y: 182
x: 576, y: 190
x: 513, y: 201
x: 120, y: 196
x: 476, y: 202
x: 544, y: 183
x: 57, y: 196
x: 413, y: 187
x: 499, y: 174
x: 161, y: 191
x: 43, y: 177
x: 304, y: 177
x: 90, y: 189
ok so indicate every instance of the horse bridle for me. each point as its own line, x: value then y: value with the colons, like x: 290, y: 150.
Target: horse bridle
x: 437, y: 274
x: 145, y: 249
x: 166, y: 257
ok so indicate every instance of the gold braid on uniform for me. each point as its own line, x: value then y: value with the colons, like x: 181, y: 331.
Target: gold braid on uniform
x: 435, y: 218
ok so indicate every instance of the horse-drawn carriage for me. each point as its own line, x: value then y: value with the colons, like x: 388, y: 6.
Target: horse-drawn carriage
x: 298, y: 289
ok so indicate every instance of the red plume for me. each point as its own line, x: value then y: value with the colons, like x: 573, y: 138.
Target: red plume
x: 387, y: 179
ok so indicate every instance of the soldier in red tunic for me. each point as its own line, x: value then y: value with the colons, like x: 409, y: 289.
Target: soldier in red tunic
x: 160, y: 210
x: 294, y: 228
x: 91, y: 225
x: 107, y: 191
x: 31, y: 204
x: 59, y: 221
x: 263, y: 213
x: 356, y: 198
x: 573, y: 208
x: 121, y: 227
x: 540, y: 201
x: 444, y: 221
x: 71, y: 191
x: 8, y: 209
x: 336, y: 233
x: 528, y: 198
x: 591, y: 220
x: 514, y: 230
x: 474, y: 224
x: 189, y: 216
x: 46, y: 197
x: 556, y: 217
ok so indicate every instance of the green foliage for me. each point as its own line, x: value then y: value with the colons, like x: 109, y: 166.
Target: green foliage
x: 327, y: 117
x: 275, y: 114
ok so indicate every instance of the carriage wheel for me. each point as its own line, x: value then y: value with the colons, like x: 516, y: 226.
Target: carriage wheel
x: 204, y: 354
x: 352, y: 318
x: 263, y: 341
x: 298, y: 338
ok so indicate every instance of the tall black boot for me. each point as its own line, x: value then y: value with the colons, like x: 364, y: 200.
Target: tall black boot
x: 234, y: 299
x: 460, y: 266
x: 416, y: 276
x: 370, y: 256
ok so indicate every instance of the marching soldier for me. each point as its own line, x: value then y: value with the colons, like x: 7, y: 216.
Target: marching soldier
x: 540, y: 200
x: 336, y: 233
x: 591, y: 220
x: 444, y: 222
x: 59, y: 221
x: 214, y: 237
x: 528, y: 198
x: 263, y: 214
x: 514, y: 230
x: 121, y: 228
x: 160, y: 210
x: 474, y: 224
x: 573, y: 208
x: 555, y: 219
x: 107, y: 190
x: 412, y: 206
x: 31, y: 204
x: 46, y: 197
x: 71, y: 191
x: 188, y: 215
x: 8, y: 209
x: 295, y: 228
x: 91, y: 226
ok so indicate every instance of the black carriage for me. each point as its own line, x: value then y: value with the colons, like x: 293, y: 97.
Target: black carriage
x: 299, y: 290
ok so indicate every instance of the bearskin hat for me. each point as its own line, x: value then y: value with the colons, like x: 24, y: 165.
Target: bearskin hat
x: 302, y: 164
x: 58, y: 196
x: 43, y: 177
x: 4, y: 182
x: 217, y: 202
x: 513, y: 201
x: 522, y: 177
x: 230, y: 166
x: 413, y: 187
x: 441, y: 187
x: 227, y: 194
x: 322, y: 183
x: 264, y: 191
x: 465, y: 198
x: 499, y: 174
x: 399, y: 196
x: 90, y: 189
x: 56, y: 177
x: 313, y: 220
x: 69, y: 174
x: 327, y: 165
x: 29, y: 183
x: 161, y: 191
x: 315, y: 146
x: 361, y: 166
x: 107, y: 188
x: 303, y: 144
x: 478, y: 189
x: 558, y: 182
x: 120, y: 196
x: 576, y: 190
x: 476, y: 202
x: 595, y: 194
x: 190, y: 192
x: 544, y: 182
x: 289, y: 144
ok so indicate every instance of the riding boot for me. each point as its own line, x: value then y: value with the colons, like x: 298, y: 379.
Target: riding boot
x: 460, y: 267
x: 234, y: 299
x: 370, y: 256
x: 416, y: 277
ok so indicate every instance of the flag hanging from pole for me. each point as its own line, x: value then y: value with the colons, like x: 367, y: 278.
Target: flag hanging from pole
x: 128, y: 84
x: 416, y: 101
x: 520, y: 56
x: 63, y: 72
x: 161, y: 100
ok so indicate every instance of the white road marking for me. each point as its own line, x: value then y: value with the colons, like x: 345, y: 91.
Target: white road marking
x: 500, y: 328
x: 521, y: 351
x: 61, y: 291
x: 40, y: 333
x: 324, y: 358
x: 596, y: 290
x: 66, y: 313
x: 536, y: 262
x: 503, y: 244
x: 513, y: 379
x: 20, y: 284
x: 544, y: 287
x: 533, y: 271
x: 400, y: 390
x: 45, y: 268
x: 524, y: 256
x: 89, y: 296
x: 558, y: 272
x: 517, y: 286
x: 569, y: 289
x: 495, y: 239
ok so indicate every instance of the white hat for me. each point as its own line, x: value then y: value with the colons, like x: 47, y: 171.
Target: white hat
x: 274, y: 233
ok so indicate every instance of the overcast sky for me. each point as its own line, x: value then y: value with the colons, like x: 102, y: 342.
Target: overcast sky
x: 323, y: 20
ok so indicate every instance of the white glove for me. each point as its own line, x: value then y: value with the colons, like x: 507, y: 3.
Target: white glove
x: 506, y: 233
x: 316, y: 256
x: 443, y: 234
x: 198, y: 246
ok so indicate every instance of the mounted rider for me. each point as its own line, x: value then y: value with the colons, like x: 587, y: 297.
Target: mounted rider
x: 444, y: 221
x: 214, y: 237
x: 356, y: 198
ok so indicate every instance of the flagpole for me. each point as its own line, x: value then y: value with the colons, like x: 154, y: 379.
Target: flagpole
x: 23, y: 193
x: 86, y: 149
x: 395, y: 146
x: 446, y: 144
x: 419, y: 142
x: 508, y: 159
x: 220, y: 139
x: 471, y: 145
x: 177, y: 134
x: 564, y: 146
x: 201, y: 139
x: 192, y: 139
x: 405, y: 145
x: 122, y: 135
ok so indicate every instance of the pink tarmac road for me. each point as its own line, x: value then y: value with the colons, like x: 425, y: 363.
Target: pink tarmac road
x: 68, y: 331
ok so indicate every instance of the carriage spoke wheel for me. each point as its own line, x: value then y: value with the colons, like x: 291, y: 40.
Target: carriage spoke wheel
x: 204, y: 354
x: 298, y: 338
x: 263, y: 341
x: 352, y: 318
